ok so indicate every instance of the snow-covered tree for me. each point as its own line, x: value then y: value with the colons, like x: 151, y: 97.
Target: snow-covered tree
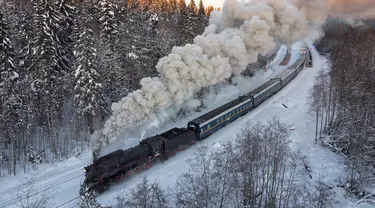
x: 89, y: 94
x: 34, y: 156
x: 191, y: 26
x: 108, y: 22
x: 119, y: 46
x: 202, y: 19
x: 11, y: 105
x: 64, y: 31
x: 48, y: 71
x: 8, y: 72
x: 145, y: 194
x: 182, y: 22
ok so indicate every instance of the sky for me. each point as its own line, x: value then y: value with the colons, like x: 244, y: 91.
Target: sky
x: 215, y: 3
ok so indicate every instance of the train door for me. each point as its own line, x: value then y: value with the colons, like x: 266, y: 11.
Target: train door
x: 160, y: 150
x: 195, y: 127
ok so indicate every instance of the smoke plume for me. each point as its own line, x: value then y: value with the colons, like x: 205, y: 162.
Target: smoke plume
x: 360, y: 9
x: 236, y: 37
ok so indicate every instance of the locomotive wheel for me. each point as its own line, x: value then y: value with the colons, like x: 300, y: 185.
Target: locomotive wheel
x: 119, y: 178
x: 147, y: 166
x: 184, y: 147
x: 100, y: 189
x: 129, y: 173
x: 138, y: 169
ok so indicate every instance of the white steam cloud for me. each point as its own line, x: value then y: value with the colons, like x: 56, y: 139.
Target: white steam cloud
x: 235, y: 38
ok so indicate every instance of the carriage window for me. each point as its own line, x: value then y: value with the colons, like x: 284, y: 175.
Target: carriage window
x: 208, y: 126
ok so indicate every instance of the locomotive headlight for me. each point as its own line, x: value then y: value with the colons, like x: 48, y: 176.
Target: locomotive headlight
x: 84, y: 169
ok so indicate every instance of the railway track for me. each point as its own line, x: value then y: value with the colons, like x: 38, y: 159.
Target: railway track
x: 284, y: 62
x: 73, y: 202
x: 69, y: 202
x: 38, y: 188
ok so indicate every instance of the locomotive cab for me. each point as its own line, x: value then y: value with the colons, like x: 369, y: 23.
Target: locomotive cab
x: 195, y: 127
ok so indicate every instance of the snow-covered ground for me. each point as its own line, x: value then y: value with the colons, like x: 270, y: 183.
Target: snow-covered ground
x: 280, y: 56
x: 61, y: 182
x: 224, y: 93
x: 322, y: 161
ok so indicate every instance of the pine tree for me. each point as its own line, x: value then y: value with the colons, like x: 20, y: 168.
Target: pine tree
x: 48, y: 67
x: 173, y: 8
x: 201, y: 11
x: 9, y: 77
x: 65, y: 31
x: 182, y: 22
x: 108, y: 53
x: 89, y: 95
x: 191, y: 22
x: 8, y: 73
x: 209, y: 9
x: 192, y: 7
x: 140, y: 52
x: 11, y: 105
x: 202, y: 18
x: 108, y: 23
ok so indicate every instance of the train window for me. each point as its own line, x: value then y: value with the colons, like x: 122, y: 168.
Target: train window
x: 208, y: 126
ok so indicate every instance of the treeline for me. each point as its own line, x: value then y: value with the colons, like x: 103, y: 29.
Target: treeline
x: 257, y: 169
x: 343, y: 99
x: 64, y: 62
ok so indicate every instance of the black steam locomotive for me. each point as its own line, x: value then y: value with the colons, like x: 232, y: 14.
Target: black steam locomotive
x: 123, y: 163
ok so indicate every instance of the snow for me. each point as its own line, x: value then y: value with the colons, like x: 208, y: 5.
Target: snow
x: 280, y: 56
x: 62, y: 181
x: 323, y: 162
x: 132, y: 55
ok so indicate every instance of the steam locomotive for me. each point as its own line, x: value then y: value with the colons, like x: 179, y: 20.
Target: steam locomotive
x: 121, y: 164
